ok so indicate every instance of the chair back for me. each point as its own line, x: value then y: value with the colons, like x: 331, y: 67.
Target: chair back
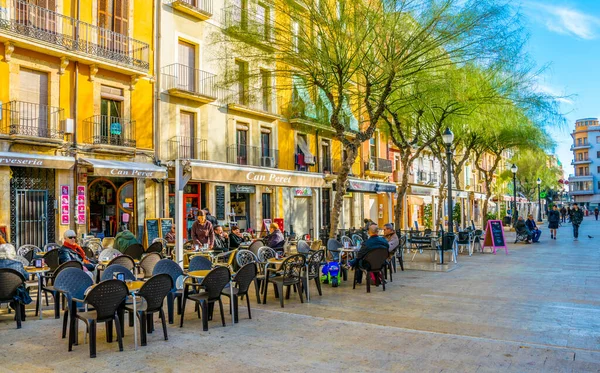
x: 244, y: 277
x: 376, y: 258
x: 334, y: 246
x: 73, y: 282
x: 314, y: 263
x: 291, y: 268
x: 135, y: 251
x: 51, y: 246
x: 170, y: 268
x: 124, y: 260
x: 108, y: 242
x: 246, y: 236
x: 232, y: 257
x: 402, y: 239
x: 215, y: 281
x: 148, y: 262
x: 164, y: 245
x: 106, y: 297
x: 462, y: 238
x: 89, y: 253
x: 254, y: 246
x: 10, y: 280
x: 21, y: 259
x: 155, y: 290
x: 302, y: 247
x: 24, y: 249
x: 51, y: 259
x: 346, y: 239
x: 265, y: 253
x: 357, y: 240
x: 108, y: 254
x: 200, y: 263
x: 156, y: 247
x: 107, y: 274
x: 243, y: 257
x: 65, y: 265
x: 427, y: 232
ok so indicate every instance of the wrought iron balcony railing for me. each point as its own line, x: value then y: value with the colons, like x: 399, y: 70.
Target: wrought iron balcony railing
x: 107, y: 130
x: 188, y: 79
x: 378, y: 164
x: 185, y: 147
x: 202, y: 6
x: 248, y: 23
x: 25, y: 19
x: 265, y: 103
x: 424, y: 177
x: 253, y: 156
x: 28, y: 119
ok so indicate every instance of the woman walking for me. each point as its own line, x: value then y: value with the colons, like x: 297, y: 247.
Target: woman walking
x: 553, y: 221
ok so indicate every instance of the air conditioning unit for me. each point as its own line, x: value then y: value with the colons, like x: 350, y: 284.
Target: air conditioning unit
x: 267, y: 162
x: 69, y: 125
x: 371, y: 165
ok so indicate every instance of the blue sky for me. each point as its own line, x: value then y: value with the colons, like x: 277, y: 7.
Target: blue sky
x: 566, y: 35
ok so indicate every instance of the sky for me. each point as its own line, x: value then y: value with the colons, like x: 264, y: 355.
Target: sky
x: 565, y: 35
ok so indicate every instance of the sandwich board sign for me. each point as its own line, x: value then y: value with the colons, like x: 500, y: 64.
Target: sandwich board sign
x: 494, y: 236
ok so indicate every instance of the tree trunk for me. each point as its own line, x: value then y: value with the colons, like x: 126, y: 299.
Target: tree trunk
x: 399, y: 210
x: 441, y: 197
x: 341, y: 185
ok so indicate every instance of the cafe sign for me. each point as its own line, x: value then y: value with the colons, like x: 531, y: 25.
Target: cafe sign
x: 302, y: 192
x: 36, y: 160
x: 248, y: 189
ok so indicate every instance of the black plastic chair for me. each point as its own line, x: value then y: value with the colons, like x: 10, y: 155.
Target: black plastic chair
x: 156, y: 247
x: 288, y: 275
x: 153, y: 294
x: 314, y: 261
x: 174, y: 270
x: 148, y: 262
x: 71, y: 283
x: 51, y: 259
x: 10, y: 280
x: 107, y: 299
x: 107, y: 274
x: 50, y: 288
x: 373, y: 262
x: 89, y: 253
x: 200, y: 263
x: 135, y: 251
x: 242, y: 279
x: 213, y: 284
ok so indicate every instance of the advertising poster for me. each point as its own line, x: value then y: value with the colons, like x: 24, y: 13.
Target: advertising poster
x: 64, y: 205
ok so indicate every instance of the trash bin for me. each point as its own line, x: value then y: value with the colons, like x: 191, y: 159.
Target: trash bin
x: 506, y: 221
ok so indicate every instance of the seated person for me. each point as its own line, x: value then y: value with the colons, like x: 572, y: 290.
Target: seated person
x: 390, y: 235
x: 170, y: 237
x: 275, y: 238
x: 7, y: 260
x: 521, y: 229
x: 535, y: 232
x: 372, y: 243
x: 70, y: 250
x: 221, y: 239
x: 123, y: 240
x: 235, y: 237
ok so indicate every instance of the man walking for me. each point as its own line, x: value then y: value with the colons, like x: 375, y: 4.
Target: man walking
x: 576, y: 219
x: 563, y: 214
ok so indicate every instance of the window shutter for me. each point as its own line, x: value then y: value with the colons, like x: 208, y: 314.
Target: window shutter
x: 103, y: 13
x: 121, y: 17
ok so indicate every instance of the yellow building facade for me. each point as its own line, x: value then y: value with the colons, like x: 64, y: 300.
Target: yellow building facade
x: 77, y: 134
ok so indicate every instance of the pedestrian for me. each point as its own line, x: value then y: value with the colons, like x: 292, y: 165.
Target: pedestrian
x: 569, y: 214
x: 576, y: 219
x: 563, y: 214
x: 596, y: 213
x: 553, y: 221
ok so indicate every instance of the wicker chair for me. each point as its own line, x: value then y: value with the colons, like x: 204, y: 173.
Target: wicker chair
x: 213, y: 284
x: 71, y: 283
x: 107, y: 299
x: 148, y: 262
x: 242, y: 280
x: 10, y: 280
x: 153, y: 293
x: 200, y: 263
x: 50, y: 288
x: 375, y: 261
x: 254, y: 246
x: 108, y: 273
x: 172, y: 269
x: 314, y: 261
x: 288, y: 275
x: 135, y: 251
x: 303, y: 247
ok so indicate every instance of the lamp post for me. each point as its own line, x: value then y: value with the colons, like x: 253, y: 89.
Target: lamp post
x: 448, y: 138
x: 514, y: 170
x: 539, y: 181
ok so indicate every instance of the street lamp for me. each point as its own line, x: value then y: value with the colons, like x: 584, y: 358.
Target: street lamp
x: 448, y: 138
x: 539, y: 181
x: 514, y: 170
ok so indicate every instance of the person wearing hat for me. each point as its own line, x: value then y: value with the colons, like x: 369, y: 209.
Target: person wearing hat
x: 70, y: 250
x: 7, y: 259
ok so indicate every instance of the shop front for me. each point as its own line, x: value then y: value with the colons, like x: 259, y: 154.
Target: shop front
x: 112, y: 196
x: 367, y: 199
x: 421, y: 207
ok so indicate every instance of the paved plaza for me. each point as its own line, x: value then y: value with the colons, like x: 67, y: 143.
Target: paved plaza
x: 535, y: 310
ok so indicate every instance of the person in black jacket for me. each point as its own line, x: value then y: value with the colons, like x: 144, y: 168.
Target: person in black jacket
x: 235, y: 237
x: 553, y: 221
x: 221, y: 239
x: 374, y: 242
x: 211, y: 218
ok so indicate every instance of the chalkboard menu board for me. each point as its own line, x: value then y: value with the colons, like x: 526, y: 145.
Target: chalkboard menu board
x: 165, y: 226
x: 497, y: 233
x: 220, y: 192
x: 152, y: 230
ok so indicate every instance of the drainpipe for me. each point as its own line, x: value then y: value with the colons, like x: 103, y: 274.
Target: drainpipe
x: 156, y: 102
x: 73, y: 224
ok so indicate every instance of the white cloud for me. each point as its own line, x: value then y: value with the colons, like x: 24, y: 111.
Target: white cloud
x: 564, y: 20
x: 560, y: 97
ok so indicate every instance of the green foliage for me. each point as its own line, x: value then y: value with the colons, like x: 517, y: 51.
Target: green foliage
x: 491, y: 216
x: 428, y: 216
x: 456, y: 213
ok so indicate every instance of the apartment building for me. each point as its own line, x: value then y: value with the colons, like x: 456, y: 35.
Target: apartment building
x: 584, y: 184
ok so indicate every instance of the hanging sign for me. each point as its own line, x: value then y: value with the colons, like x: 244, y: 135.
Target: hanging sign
x: 65, y: 219
x: 494, y: 236
x: 81, y: 205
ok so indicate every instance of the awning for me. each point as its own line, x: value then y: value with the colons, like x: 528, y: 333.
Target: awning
x: 417, y: 201
x: 142, y: 170
x: 365, y: 186
x: 308, y: 157
x: 228, y: 173
x: 36, y: 160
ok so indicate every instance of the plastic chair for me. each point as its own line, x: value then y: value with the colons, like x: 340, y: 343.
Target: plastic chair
x: 254, y: 246
x: 303, y: 247
x: 200, y: 263
x: 10, y: 281
x: 463, y: 239
x: 333, y: 247
x: 288, y: 275
x: 242, y: 279
x: 213, y: 284
x: 148, y: 262
x: 376, y: 260
x: 51, y: 246
x: 107, y: 274
x: 24, y: 249
x: 357, y: 240
x: 50, y: 288
x: 135, y: 251
x: 124, y: 260
x: 155, y: 247
x: 314, y: 270
x: 174, y: 270
x: 243, y: 257
x: 108, y: 254
x: 71, y: 283
x: 164, y: 244
x: 346, y: 239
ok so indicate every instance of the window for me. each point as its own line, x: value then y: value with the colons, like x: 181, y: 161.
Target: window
x: 580, y: 157
x: 598, y: 154
x: 373, y: 147
x: 295, y: 35
x: 579, y: 142
x: 113, y: 15
x: 597, y: 139
x: 111, y: 111
x: 187, y: 124
x: 242, y: 146
x: 242, y: 81
x: 265, y: 143
x: 304, y: 157
x: 265, y: 77
x: 598, y: 169
x: 326, y: 156
x: 32, y: 118
x: 263, y: 19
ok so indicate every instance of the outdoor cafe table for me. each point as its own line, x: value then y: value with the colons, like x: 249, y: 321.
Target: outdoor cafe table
x: 349, y: 250
x: 38, y: 272
x: 276, y: 263
x: 200, y: 274
x: 133, y: 287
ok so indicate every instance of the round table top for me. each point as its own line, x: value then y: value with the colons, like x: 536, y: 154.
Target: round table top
x: 31, y: 269
x: 275, y: 260
x: 134, y: 285
x: 349, y: 249
x: 199, y: 274
x: 105, y: 262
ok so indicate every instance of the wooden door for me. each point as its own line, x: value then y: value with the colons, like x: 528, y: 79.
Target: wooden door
x: 187, y: 63
x: 33, y: 106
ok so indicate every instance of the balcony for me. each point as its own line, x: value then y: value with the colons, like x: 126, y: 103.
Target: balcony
x: 581, y: 161
x: 378, y: 165
x: 249, y: 25
x: 27, y: 120
x: 111, y: 131
x: 199, y: 9
x: 252, y: 156
x: 184, y: 147
x: 581, y: 192
x: 186, y: 82
x: 301, y: 165
x: 580, y: 146
x: 263, y: 107
x: 425, y: 177
x: 54, y: 33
